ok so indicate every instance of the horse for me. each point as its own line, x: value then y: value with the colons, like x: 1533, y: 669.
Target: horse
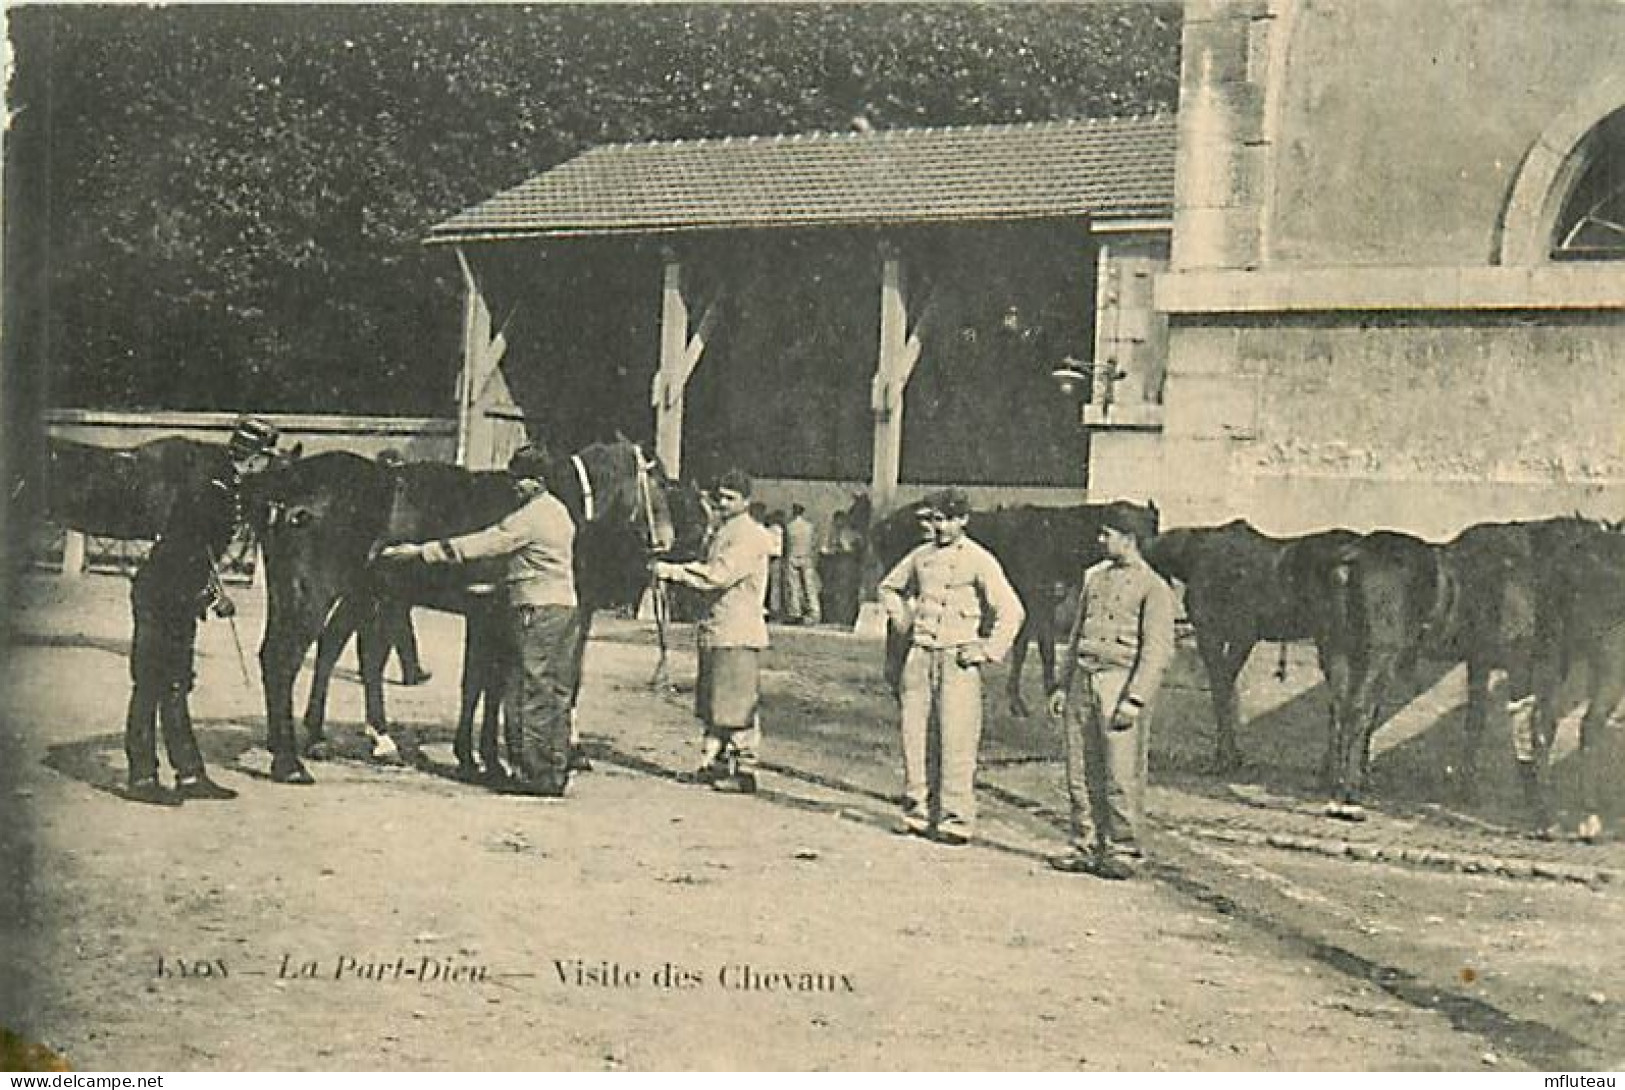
x: 1526, y: 600
x: 1241, y: 587
x: 327, y: 517
x: 125, y: 492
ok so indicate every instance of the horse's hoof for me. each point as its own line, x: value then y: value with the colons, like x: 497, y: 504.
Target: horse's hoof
x: 385, y: 749
x: 319, y: 751
x: 468, y: 772
x: 1345, y: 811
x: 1590, y: 829
x: 291, y: 771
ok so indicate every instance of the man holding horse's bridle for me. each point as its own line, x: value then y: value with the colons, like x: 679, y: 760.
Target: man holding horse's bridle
x: 538, y: 541
x: 177, y: 585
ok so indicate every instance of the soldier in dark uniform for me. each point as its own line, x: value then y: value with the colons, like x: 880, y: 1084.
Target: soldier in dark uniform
x: 176, y: 586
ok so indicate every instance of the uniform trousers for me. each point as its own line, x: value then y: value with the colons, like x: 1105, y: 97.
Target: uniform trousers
x: 161, y: 650
x: 942, y: 730
x: 539, y: 692
x: 1105, y: 768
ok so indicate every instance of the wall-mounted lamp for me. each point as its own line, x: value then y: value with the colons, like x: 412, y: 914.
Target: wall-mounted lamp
x: 1072, y: 377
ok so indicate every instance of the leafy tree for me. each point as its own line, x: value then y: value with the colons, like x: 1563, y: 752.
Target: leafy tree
x: 223, y: 207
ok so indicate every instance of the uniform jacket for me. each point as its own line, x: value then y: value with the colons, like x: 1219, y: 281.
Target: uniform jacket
x: 539, y: 541
x: 1125, y: 621
x: 938, y: 594
x: 734, y: 572
x: 179, y: 572
x: 800, y: 540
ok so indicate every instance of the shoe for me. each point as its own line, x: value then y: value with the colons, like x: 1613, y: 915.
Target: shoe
x: 1111, y: 868
x: 743, y: 783
x: 152, y: 792
x: 956, y: 836
x: 203, y: 789
x: 579, y: 761
x: 417, y: 677
x: 705, y: 774
x: 543, y: 789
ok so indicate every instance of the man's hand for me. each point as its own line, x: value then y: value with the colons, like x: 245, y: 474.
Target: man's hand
x: 406, y: 550
x: 1057, y: 703
x: 1127, y: 714
x: 972, y: 654
x: 223, y: 606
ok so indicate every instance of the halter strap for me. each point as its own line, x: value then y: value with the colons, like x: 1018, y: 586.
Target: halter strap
x: 587, y: 507
x: 646, y: 497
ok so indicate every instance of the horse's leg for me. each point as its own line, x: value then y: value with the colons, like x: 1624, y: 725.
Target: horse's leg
x: 335, y: 636
x: 1472, y: 733
x: 494, y: 661
x: 579, y: 761
x: 1605, y: 687
x: 1223, y: 660
x: 372, y: 648
x: 1532, y: 695
x: 1341, y: 680
x: 468, y: 696
x: 1018, y: 659
x: 288, y: 635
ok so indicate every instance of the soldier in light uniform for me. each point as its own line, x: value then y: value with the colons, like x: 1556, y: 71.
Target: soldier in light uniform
x: 939, y: 596
x: 177, y: 585
x: 1122, y: 641
x: 732, y: 635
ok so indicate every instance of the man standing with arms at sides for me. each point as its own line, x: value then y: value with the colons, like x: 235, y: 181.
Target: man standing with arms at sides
x: 732, y: 635
x: 538, y: 539
x: 177, y: 585
x: 1122, y: 641
x: 939, y: 595
x: 802, y: 604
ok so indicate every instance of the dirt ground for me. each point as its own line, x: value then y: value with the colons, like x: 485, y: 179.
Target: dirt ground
x: 393, y: 918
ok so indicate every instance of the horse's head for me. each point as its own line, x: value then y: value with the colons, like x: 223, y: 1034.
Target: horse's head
x: 693, y: 519
x: 618, y: 485
x: 317, y: 519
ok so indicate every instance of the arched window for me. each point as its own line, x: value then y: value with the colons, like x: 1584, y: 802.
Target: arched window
x: 1591, y: 226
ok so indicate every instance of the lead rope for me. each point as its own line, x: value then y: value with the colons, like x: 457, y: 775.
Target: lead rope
x: 657, y: 588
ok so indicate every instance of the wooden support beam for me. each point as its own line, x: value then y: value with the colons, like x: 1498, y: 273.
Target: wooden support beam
x: 679, y: 355
x: 481, y: 385
x: 476, y: 335
x: 73, y: 553
x: 899, y: 352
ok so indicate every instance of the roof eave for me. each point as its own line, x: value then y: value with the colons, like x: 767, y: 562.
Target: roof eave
x: 1118, y: 221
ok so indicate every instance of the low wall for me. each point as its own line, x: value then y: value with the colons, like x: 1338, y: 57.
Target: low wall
x: 419, y: 439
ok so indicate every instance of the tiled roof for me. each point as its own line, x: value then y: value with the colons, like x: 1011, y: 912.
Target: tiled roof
x: 1107, y: 169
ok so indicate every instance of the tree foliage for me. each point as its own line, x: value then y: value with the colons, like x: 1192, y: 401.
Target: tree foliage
x: 223, y: 207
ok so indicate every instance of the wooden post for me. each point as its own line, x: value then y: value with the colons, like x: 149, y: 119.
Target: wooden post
x: 476, y: 336
x: 679, y: 355
x: 899, y: 352
x: 73, y: 553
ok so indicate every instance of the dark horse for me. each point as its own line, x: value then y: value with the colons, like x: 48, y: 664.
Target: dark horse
x: 1525, y: 599
x: 1241, y: 587
x: 1043, y: 550
x: 327, y: 517
x: 124, y: 492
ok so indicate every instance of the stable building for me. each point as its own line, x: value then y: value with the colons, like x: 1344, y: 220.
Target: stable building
x: 829, y: 311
